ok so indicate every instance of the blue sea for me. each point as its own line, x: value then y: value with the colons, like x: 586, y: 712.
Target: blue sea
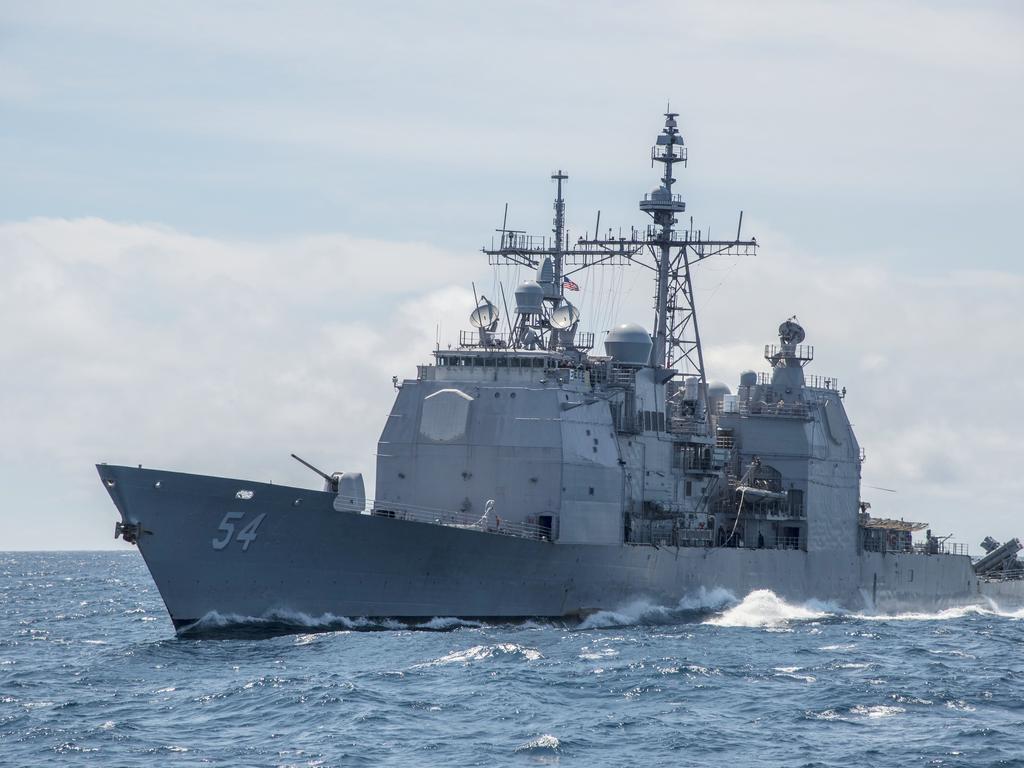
x: 91, y: 673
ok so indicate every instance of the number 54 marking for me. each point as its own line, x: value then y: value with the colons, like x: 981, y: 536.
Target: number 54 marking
x: 246, y: 536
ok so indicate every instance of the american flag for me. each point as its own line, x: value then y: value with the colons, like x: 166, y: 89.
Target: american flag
x: 569, y: 285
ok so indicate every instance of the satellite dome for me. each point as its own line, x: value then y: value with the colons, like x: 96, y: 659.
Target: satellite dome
x: 748, y: 379
x: 717, y: 390
x: 629, y: 343
x: 565, y: 316
x: 529, y: 298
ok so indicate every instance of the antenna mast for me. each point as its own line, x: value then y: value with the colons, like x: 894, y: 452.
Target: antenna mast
x: 671, y: 256
x: 559, y: 232
x: 662, y: 206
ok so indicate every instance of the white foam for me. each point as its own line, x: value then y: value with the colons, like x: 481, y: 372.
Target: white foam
x: 881, y: 710
x: 216, y: 620
x: 959, y: 705
x: 763, y: 608
x: 946, y: 614
x: 483, y: 652
x: 543, y: 742
x: 828, y: 714
x: 642, y: 611
x: 448, y: 622
x: 707, y: 600
x: 790, y: 672
x: 593, y: 654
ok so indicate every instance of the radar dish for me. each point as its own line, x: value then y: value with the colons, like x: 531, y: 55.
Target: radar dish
x: 791, y: 332
x: 565, y: 316
x: 484, y: 316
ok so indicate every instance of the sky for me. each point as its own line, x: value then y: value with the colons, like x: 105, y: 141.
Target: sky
x: 225, y: 226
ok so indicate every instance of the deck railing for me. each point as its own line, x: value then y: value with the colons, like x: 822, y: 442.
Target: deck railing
x: 918, y: 548
x: 1014, y: 574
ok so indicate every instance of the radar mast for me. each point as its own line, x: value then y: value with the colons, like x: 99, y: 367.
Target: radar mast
x: 669, y: 253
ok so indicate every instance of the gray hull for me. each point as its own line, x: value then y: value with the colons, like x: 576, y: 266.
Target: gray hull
x: 286, y: 551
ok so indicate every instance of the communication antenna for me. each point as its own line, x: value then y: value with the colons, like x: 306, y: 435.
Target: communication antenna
x: 485, y: 316
x: 508, y: 318
x: 670, y: 254
x: 565, y: 316
x: 561, y: 242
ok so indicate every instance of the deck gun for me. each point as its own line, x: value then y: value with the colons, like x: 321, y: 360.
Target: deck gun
x: 330, y: 481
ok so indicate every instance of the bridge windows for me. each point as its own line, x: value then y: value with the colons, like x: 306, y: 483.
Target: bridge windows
x: 484, y: 361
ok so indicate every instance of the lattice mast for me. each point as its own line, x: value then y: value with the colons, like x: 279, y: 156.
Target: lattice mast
x: 557, y: 257
x: 669, y: 254
x: 662, y: 206
x: 676, y: 332
x: 518, y: 248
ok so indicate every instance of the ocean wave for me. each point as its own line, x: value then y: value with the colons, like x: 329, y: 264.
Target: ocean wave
x: 944, y: 614
x: 283, y: 622
x: 763, y: 608
x: 645, y: 612
x: 484, y: 652
x: 881, y: 710
x: 543, y: 743
x: 857, y: 712
x: 760, y: 608
x: 290, y: 622
x: 445, y: 623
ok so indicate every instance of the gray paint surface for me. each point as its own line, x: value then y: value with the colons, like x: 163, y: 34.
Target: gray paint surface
x: 624, y: 476
x: 308, y: 559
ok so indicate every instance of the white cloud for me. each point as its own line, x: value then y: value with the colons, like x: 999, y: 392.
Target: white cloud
x: 132, y: 343
x: 136, y: 343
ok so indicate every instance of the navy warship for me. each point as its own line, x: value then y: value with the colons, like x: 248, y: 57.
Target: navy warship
x: 521, y: 475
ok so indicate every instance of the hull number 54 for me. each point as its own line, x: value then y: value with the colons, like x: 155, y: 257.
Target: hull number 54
x: 245, y: 536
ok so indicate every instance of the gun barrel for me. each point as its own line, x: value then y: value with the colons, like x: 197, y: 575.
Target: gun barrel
x: 306, y: 464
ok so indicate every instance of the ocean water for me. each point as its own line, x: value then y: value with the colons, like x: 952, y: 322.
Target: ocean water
x: 92, y: 674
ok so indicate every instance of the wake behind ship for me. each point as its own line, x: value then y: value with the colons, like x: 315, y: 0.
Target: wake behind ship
x: 522, y: 475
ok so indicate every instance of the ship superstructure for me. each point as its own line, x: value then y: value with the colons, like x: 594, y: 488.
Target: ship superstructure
x: 630, y: 447
x: 521, y: 474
